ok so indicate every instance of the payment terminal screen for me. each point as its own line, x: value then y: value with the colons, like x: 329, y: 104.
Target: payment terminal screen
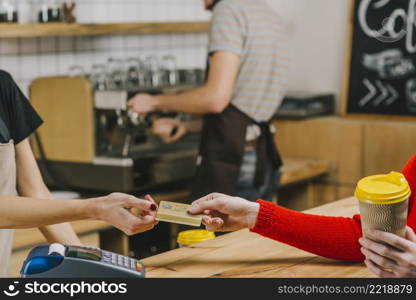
x: 88, y: 254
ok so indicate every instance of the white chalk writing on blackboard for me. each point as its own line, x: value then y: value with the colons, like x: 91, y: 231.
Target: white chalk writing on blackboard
x: 389, y: 64
x: 411, y: 94
x: 387, y: 96
x: 388, y: 32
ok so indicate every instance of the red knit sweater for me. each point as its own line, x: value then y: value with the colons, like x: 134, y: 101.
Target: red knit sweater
x: 332, y: 237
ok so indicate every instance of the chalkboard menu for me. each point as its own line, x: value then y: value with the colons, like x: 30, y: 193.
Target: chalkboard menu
x: 382, y: 61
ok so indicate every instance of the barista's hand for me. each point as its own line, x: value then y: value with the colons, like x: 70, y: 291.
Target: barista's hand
x: 395, y: 258
x: 118, y: 210
x: 143, y: 104
x: 168, y: 129
x: 225, y: 213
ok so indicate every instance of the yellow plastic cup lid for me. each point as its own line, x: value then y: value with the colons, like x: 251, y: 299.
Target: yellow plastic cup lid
x: 190, y: 237
x: 383, y: 189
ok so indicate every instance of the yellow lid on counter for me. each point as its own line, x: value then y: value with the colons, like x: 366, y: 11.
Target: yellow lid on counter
x: 190, y: 237
x: 383, y: 189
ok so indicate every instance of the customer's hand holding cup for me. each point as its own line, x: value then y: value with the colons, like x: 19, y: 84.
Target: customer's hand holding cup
x: 383, y: 201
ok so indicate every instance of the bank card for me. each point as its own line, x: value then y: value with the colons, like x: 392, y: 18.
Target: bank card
x: 177, y: 213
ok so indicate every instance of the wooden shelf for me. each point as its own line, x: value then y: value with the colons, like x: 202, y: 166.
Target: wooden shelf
x: 63, y: 29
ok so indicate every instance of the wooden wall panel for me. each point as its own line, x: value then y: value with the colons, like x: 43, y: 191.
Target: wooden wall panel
x: 388, y: 145
x: 332, y: 138
x: 357, y: 148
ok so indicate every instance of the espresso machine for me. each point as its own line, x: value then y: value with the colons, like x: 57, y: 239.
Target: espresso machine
x: 91, y: 142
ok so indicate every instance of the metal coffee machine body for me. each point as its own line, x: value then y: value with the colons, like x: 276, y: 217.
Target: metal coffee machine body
x: 91, y: 142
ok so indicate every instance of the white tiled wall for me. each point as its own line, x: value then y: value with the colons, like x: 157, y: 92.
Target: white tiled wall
x: 29, y: 58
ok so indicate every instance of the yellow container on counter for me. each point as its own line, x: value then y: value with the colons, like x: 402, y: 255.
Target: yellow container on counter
x: 190, y: 237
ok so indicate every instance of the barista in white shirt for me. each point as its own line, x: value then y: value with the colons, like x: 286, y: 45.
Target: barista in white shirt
x: 20, y: 176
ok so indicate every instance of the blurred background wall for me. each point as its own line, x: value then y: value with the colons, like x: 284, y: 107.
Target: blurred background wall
x: 317, y: 40
x: 29, y: 58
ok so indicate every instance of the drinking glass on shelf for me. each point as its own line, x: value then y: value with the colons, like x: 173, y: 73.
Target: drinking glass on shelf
x: 170, y: 72
x: 200, y: 75
x: 135, y: 74
x: 76, y: 71
x: 153, y: 71
x: 49, y: 11
x: 99, y: 77
x: 147, y: 74
x: 8, y: 11
x: 117, y: 74
x: 190, y: 77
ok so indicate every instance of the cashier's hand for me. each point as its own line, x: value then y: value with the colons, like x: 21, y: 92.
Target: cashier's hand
x: 395, y: 258
x: 168, y: 129
x: 127, y: 213
x: 225, y: 213
x: 143, y: 104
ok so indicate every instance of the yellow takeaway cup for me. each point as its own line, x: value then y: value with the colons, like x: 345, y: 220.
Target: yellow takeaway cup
x: 190, y: 237
x: 383, y: 201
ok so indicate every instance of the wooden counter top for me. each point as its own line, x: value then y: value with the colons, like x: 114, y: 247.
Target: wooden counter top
x: 245, y: 254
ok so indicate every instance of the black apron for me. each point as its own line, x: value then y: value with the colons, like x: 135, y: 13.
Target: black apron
x: 4, y: 131
x: 222, y: 149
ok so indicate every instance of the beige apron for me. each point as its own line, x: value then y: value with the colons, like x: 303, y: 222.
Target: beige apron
x: 7, y: 187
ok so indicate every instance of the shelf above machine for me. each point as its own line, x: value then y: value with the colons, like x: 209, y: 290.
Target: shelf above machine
x: 64, y: 29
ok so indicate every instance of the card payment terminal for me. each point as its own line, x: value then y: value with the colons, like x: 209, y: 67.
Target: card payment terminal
x: 60, y: 261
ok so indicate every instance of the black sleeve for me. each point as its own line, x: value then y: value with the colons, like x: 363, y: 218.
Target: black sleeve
x: 18, y: 114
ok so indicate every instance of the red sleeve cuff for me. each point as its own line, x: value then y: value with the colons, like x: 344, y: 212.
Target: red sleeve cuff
x: 267, y: 216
